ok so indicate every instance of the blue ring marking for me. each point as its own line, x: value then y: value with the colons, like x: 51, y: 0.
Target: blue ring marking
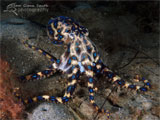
x: 91, y: 90
x: 69, y: 61
x: 74, y: 58
x: 58, y: 61
x: 148, y: 84
x: 91, y: 97
x: 143, y: 89
x: 73, y: 67
x: 29, y: 46
x: 81, y: 35
x: 50, y: 21
x: 77, y: 48
x: 52, y: 98
x: 89, y: 57
x: 84, y: 30
x: 39, y: 98
x: 78, y: 29
x: 110, y: 75
x: 121, y: 82
x: 34, y: 76
x: 82, y: 27
x: 73, y: 87
x: 99, y: 61
x: 58, y: 30
x: 77, y: 33
x: 132, y: 86
x: 55, y: 24
x: 68, y: 50
x: 66, y: 100
x: 90, y: 79
x: 98, y: 71
x: 37, y: 48
x: 46, y: 71
x: 62, y: 17
x: 94, y: 64
x: 72, y: 90
x: 63, y: 98
x: 51, y: 32
x: 17, y: 96
x: 85, y: 41
x: 67, y: 30
x: 50, y: 67
x: 30, y: 100
x: 55, y: 42
x: 83, y: 57
x: 89, y: 67
x: 67, y: 24
x: 49, y: 28
x: 77, y: 75
x: 44, y: 53
x: 77, y: 43
x: 73, y: 77
x: 94, y: 54
x: 94, y: 104
x: 22, y: 78
x: 73, y: 28
x: 69, y: 88
x: 88, y: 48
x: 52, y: 59
x: 143, y: 78
x: 60, y: 36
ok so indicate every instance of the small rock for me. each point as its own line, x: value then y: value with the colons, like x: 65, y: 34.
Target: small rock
x: 87, y: 110
x: 156, y: 111
x: 146, y: 105
x: 50, y: 112
x: 149, y: 117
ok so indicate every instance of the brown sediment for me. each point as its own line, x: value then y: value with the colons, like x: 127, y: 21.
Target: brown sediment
x: 9, y: 108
